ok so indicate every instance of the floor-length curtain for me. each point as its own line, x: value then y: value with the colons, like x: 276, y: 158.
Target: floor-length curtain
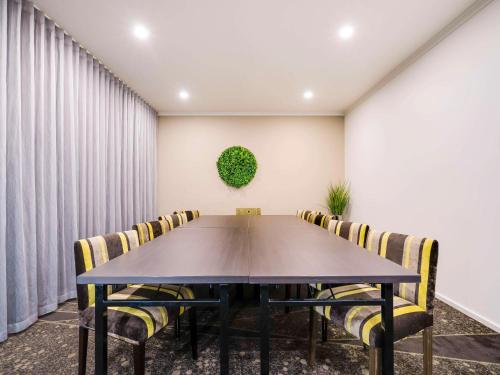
x: 77, y: 158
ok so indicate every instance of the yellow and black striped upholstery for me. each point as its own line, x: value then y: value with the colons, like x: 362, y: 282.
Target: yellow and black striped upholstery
x: 413, y: 303
x: 149, y: 230
x: 174, y: 220
x: 136, y: 324
x: 92, y: 252
x: 417, y: 254
x: 328, y: 219
x: 315, y: 217
x: 130, y: 324
x: 305, y: 214
x: 321, y: 220
x: 354, y: 232
x: 189, y: 214
x: 182, y: 215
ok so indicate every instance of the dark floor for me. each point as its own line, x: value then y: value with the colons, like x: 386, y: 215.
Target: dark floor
x: 461, y: 346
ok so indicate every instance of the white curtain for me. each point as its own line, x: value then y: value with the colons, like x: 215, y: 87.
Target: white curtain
x: 77, y: 159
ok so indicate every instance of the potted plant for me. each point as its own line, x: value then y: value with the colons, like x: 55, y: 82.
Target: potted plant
x: 338, y: 198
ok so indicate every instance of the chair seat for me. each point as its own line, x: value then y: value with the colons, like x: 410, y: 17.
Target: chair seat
x: 364, y: 322
x: 136, y: 324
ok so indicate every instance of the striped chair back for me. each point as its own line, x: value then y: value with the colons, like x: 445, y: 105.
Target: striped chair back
x: 94, y: 251
x: 305, y: 214
x: 317, y: 218
x: 417, y: 254
x: 173, y: 220
x: 188, y: 214
x: 149, y: 230
x: 328, y: 219
x: 183, y: 217
x: 322, y: 220
x: 354, y: 232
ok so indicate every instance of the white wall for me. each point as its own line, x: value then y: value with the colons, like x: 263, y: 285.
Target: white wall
x: 297, y: 158
x: 423, y: 157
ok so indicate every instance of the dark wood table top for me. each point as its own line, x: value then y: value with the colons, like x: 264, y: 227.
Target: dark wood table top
x: 248, y: 249
x: 217, y: 221
x: 311, y: 254
x: 233, y: 221
x: 201, y: 256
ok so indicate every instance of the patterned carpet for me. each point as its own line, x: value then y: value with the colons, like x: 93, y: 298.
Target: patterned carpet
x: 461, y: 346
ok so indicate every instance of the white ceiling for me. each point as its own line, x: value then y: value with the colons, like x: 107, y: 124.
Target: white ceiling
x: 252, y: 57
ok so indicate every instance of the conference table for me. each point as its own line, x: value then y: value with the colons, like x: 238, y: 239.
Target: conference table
x: 261, y: 250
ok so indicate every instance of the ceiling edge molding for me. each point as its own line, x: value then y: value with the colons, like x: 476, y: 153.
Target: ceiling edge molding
x: 442, y: 34
x: 249, y: 114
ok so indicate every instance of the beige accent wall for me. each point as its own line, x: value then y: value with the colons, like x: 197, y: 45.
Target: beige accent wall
x: 297, y: 158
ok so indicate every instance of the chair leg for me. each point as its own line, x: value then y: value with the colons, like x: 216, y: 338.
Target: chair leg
x: 427, y: 351
x: 139, y: 358
x: 193, y: 332
x: 256, y: 291
x: 288, y: 292
x: 298, y: 290
x: 375, y: 360
x: 83, y: 340
x: 312, y: 336
x: 324, y: 329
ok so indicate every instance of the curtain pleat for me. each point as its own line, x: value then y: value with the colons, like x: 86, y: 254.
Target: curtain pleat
x: 77, y: 159
x: 3, y: 167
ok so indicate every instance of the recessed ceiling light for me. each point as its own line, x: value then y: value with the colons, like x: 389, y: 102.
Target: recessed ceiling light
x: 184, y: 95
x: 346, y: 32
x: 308, y: 94
x: 141, y: 32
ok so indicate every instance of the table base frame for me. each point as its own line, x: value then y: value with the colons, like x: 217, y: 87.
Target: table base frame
x: 102, y: 303
x: 386, y: 303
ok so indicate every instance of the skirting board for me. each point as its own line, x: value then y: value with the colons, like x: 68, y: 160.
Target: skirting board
x: 481, y: 319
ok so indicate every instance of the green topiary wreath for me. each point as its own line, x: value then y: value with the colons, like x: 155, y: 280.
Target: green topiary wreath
x: 237, y: 166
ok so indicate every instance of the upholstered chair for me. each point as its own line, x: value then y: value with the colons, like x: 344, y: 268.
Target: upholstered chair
x: 173, y: 220
x: 188, y: 215
x: 150, y: 230
x: 192, y: 214
x: 354, y: 232
x: 305, y: 214
x: 131, y: 324
x: 324, y: 223
x: 413, y: 302
x: 321, y: 220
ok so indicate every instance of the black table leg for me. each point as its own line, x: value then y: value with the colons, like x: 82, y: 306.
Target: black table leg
x: 224, y: 327
x: 388, y: 328
x: 240, y: 292
x: 264, y: 329
x: 256, y: 292
x: 288, y: 292
x: 101, y: 330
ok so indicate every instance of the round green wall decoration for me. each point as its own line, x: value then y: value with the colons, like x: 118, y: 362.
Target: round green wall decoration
x: 237, y: 166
